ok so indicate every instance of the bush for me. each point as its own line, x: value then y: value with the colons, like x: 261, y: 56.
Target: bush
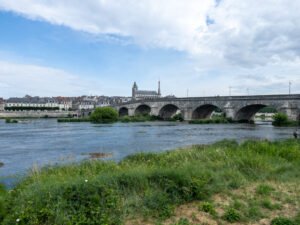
x: 208, y: 208
x: 70, y: 120
x: 178, y: 117
x: 2, y: 202
x: 104, y: 115
x: 280, y: 119
x: 9, y: 120
x: 264, y: 190
x: 231, y: 215
x: 282, y: 221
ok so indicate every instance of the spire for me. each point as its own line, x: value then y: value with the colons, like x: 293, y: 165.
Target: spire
x: 135, y: 85
x: 134, y: 89
x: 159, y: 93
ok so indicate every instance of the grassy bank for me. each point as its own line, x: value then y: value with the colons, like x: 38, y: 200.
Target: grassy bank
x: 73, y: 120
x: 208, y: 121
x: 216, y: 184
x: 140, y: 118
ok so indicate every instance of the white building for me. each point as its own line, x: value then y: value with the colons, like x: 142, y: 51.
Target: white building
x: 2, y: 104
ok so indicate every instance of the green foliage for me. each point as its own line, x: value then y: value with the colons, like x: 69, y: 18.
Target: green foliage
x: 9, y: 120
x: 208, y: 121
x: 280, y: 119
x: 3, y: 203
x: 267, y: 204
x: 159, y: 204
x: 139, y: 118
x: 208, y: 208
x: 72, y: 120
x: 268, y: 109
x: 264, y: 190
x: 231, y: 215
x: 282, y: 221
x: 104, y: 115
x: 152, y: 184
x: 73, y: 203
x: 178, y: 117
x: 182, y: 221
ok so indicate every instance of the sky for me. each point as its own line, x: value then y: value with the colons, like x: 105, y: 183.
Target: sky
x: 194, y: 47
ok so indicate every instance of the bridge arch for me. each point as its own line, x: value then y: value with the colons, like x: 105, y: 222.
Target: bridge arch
x: 123, y: 111
x: 247, y: 113
x: 204, y: 111
x: 142, y: 109
x: 168, y: 111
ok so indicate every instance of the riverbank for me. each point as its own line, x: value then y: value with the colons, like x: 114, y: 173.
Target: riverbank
x: 34, y: 114
x: 252, y: 182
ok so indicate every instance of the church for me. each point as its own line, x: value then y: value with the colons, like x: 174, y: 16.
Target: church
x: 142, y: 94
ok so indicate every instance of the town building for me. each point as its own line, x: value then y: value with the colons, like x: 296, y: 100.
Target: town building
x: 30, y: 103
x: 144, y: 94
x: 2, y: 104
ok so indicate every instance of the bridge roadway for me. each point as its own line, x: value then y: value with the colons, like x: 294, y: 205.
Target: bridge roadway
x: 235, y: 107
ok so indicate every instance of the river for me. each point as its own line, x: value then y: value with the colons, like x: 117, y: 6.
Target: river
x: 42, y: 142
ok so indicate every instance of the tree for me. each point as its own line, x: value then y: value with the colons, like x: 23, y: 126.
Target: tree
x: 280, y: 119
x: 104, y: 115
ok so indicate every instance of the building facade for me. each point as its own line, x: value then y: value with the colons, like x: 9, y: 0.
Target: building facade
x: 145, y: 94
x: 2, y: 104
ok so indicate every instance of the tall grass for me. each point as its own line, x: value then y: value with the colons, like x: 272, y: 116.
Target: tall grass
x: 146, y: 184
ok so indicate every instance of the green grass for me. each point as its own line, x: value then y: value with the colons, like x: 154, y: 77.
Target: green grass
x: 73, y: 120
x: 209, y: 121
x: 152, y: 185
x: 139, y: 118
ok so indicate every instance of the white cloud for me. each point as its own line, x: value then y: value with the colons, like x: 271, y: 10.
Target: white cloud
x: 249, y: 44
x: 20, y: 79
x: 246, y: 33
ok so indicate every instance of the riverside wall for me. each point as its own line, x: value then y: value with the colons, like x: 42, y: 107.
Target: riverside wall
x: 34, y: 114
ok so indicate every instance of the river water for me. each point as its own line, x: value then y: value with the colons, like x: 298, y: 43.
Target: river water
x: 43, y: 142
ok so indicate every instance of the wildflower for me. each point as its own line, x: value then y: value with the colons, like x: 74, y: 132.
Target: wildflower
x: 86, y: 181
x: 18, y: 220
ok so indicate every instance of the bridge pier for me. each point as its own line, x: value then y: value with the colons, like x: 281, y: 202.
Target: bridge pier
x: 187, y: 114
x: 131, y: 111
x: 291, y: 111
x: 229, y: 111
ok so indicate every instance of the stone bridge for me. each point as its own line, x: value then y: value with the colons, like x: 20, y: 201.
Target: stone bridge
x: 237, y: 108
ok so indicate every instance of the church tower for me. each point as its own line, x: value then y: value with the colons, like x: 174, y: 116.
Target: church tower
x: 134, y: 90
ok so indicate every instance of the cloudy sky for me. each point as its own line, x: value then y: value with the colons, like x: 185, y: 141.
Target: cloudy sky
x: 95, y: 47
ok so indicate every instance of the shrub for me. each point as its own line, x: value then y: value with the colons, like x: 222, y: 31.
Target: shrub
x: 231, y: 215
x: 158, y: 203
x: 265, y: 190
x: 9, y: 120
x: 178, y: 117
x: 280, y: 119
x: 182, y: 221
x: 70, y: 120
x: 267, y: 204
x: 104, y: 115
x: 282, y: 221
x: 208, y: 208
x: 2, y: 203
